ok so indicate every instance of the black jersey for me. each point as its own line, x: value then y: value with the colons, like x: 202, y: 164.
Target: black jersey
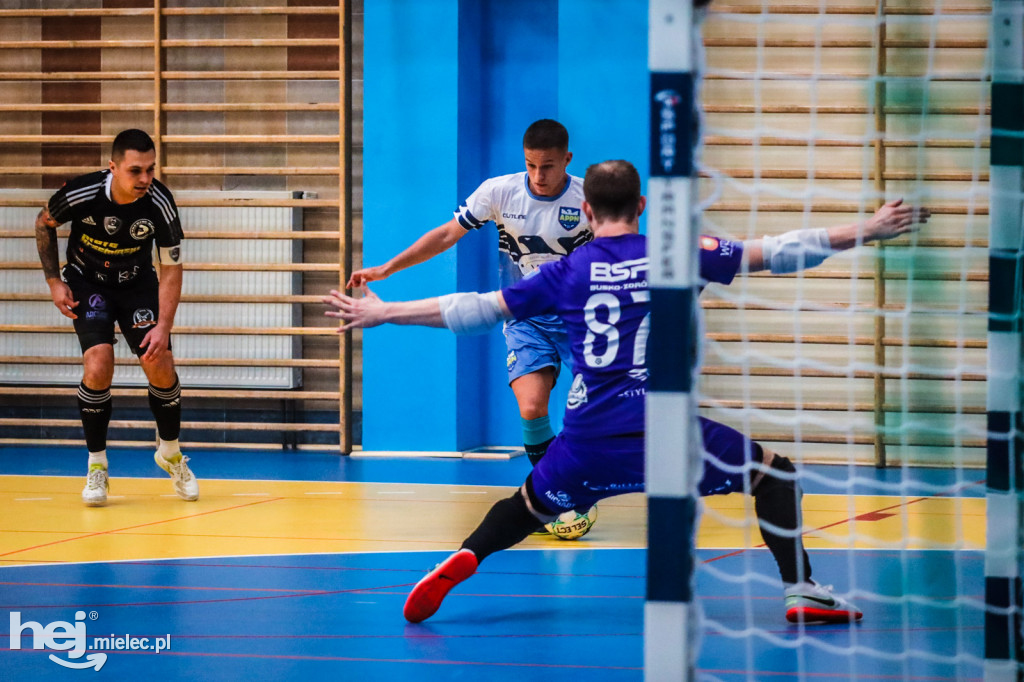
x: 112, y: 243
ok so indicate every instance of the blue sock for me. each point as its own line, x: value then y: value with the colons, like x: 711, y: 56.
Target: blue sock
x: 537, y: 436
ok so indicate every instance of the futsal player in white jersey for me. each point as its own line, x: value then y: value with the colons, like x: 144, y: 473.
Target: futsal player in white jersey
x: 539, y: 219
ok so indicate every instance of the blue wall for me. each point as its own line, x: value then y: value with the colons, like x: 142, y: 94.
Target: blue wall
x: 449, y: 88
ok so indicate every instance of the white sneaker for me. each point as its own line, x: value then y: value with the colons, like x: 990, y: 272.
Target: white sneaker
x: 809, y: 602
x: 95, y: 492
x: 185, y: 483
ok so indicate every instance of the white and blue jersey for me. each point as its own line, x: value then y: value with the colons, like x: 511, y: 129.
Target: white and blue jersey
x: 601, y: 293
x: 532, y: 230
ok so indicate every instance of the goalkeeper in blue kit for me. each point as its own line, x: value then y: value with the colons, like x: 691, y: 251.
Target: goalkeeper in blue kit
x: 600, y: 291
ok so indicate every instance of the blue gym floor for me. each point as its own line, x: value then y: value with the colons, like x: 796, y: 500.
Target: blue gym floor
x: 568, y: 612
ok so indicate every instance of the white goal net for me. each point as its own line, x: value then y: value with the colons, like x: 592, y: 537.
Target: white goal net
x: 871, y: 372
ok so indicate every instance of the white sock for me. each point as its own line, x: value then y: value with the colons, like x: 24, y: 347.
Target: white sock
x: 168, y: 449
x: 98, y: 458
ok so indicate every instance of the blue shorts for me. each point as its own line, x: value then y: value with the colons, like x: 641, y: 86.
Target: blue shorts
x: 575, y: 474
x: 532, y: 347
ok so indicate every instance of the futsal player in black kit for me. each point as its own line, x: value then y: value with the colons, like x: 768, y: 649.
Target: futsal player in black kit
x: 116, y: 216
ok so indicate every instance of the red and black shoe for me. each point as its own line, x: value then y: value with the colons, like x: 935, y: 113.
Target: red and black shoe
x: 425, y: 599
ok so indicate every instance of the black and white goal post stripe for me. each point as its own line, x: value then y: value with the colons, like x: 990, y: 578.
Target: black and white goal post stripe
x: 673, y: 461
x: 1004, y: 651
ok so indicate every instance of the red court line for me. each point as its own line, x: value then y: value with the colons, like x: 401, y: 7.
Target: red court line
x: 141, y: 525
x: 247, y: 537
x: 498, y: 635
x: 530, y: 596
x: 381, y: 590
x: 378, y: 569
x: 162, y: 587
x: 972, y: 555
x: 319, y: 593
x: 825, y: 676
x: 840, y: 522
x: 501, y: 635
x: 358, y: 659
x: 404, y: 636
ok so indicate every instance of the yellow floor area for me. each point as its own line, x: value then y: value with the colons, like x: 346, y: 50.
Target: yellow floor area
x: 45, y: 521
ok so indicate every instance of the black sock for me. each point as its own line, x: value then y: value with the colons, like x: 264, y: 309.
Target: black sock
x: 536, y: 451
x: 507, y: 523
x: 95, y: 408
x: 165, y: 404
x: 777, y: 501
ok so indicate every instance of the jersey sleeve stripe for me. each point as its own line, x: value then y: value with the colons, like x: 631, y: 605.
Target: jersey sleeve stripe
x: 84, y: 194
x: 59, y: 208
x: 60, y: 203
x: 467, y: 219
x: 163, y: 203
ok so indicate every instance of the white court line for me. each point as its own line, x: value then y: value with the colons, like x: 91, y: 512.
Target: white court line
x: 32, y: 499
x: 250, y: 494
x: 395, y: 492
x: 332, y: 492
x: 468, y: 492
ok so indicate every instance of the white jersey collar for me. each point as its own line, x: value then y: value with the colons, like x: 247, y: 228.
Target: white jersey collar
x: 529, y: 191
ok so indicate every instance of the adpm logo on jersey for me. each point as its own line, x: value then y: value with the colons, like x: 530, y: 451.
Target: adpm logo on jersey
x: 568, y: 217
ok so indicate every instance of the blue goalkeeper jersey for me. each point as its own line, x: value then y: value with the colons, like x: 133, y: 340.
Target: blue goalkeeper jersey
x: 600, y: 291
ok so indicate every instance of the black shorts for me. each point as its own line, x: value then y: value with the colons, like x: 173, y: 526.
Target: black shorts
x: 135, y: 308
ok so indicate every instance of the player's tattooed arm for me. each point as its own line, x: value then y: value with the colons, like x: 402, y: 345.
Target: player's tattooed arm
x: 46, y: 244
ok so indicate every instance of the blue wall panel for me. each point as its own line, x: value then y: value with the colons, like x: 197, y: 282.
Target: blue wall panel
x: 474, y: 250
x: 520, y: 85
x: 603, y: 78
x: 409, y: 176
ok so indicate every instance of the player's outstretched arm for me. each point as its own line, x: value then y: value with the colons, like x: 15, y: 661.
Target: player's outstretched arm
x: 467, y: 313
x: 802, y: 249
x: 370, y: 311
x: 439, y: 239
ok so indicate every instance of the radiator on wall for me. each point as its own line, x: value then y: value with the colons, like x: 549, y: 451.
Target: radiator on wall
x: 253, y: 314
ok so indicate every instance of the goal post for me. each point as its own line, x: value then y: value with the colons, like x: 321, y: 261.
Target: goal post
x: 672, y: 439
x: 1004, y: 650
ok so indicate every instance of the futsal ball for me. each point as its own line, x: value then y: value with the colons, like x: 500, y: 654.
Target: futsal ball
x: 572, y: 525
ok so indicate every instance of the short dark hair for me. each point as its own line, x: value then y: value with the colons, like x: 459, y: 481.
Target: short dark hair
x: 612, y: 188
x: 546, y: 133
x: 133, y: 138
